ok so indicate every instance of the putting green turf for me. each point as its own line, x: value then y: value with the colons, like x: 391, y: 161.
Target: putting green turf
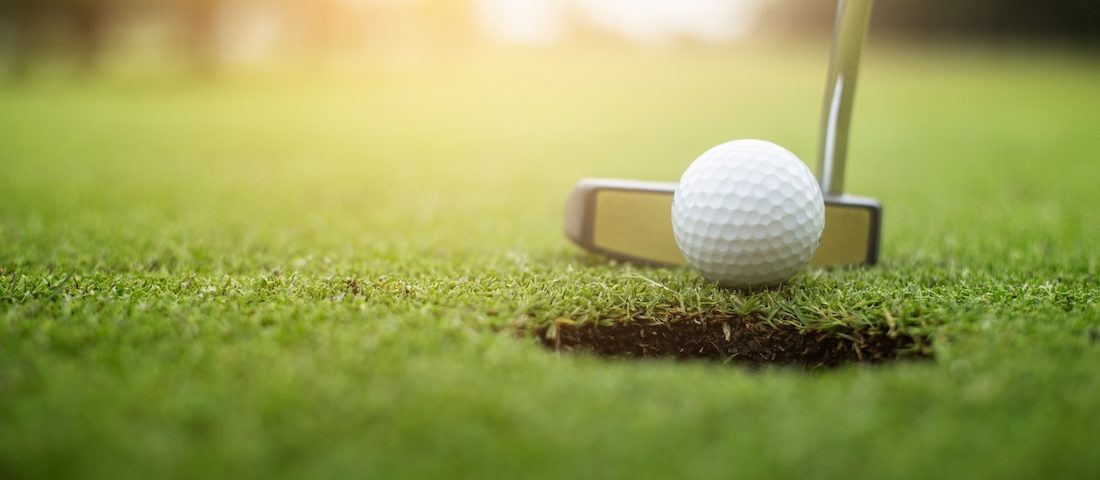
x: 318, y: 277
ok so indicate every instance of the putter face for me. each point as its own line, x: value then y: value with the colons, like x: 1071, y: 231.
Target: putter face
x: 632, y: 221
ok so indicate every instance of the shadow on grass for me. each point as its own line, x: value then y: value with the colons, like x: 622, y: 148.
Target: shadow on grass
x: 735, y: 341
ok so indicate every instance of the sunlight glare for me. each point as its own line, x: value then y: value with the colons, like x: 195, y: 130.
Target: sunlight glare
x: 644, y: 21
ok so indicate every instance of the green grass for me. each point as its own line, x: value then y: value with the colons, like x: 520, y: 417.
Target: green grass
x: 279, y: 278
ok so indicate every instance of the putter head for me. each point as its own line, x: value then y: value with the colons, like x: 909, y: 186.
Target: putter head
x: 631, y: 221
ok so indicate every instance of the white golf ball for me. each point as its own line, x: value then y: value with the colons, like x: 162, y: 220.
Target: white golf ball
x: 748, y: 213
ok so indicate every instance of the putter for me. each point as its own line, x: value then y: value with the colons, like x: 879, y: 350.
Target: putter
x: 631, y: 220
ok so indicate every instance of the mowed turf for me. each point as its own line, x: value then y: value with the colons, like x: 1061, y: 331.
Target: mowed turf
x: 320, y: 275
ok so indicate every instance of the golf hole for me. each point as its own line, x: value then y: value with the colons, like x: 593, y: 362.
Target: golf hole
x: 734, y: 341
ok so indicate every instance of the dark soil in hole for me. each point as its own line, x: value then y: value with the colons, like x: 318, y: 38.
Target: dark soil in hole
x: 738, y: 341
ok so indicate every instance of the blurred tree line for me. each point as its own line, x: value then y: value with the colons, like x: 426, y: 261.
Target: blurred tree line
x: 1065, y: 21
x: 84, y: 28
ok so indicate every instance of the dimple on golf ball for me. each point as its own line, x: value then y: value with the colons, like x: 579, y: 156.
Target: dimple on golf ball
x: 748, y: 213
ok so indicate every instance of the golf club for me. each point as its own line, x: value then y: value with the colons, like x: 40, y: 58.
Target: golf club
x: 630, y: 220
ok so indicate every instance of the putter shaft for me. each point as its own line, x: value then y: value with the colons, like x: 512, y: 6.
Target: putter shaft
x: 853, y: 17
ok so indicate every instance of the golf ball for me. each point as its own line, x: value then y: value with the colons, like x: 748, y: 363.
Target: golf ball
x: 748, y: 213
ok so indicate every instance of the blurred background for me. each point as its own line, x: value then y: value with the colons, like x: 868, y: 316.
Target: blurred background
x: 206, y: 36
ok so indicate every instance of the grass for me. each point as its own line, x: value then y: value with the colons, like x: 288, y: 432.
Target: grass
x: 275, y: 278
